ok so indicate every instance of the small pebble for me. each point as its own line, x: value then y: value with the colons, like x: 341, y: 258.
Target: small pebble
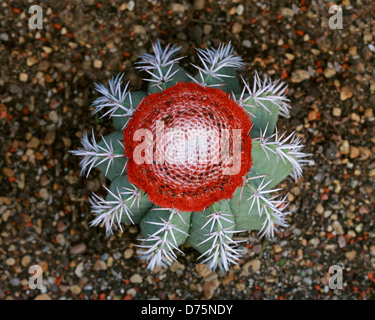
x: 246, y: 43
x: 136, y: 278
x: 336, y: 112
x: 15, y: 282
x: 128, y: 253
x: 8, y: 172
x: 319, y: 208
x: 25, y: 260
x: 79, y: 270
x: 199, y: 4
x: 209, y: 288
x: 236, y: 28
x: 43, y: 297
x: 299, y: 76
x: 122, y: 7
x: 345, y: 93
x: 341, y: 241
x: 4, y: 37
x: 43, y: 193
x: 100, y: 265
x: 354, y: 152
x: 10, y: 261
x: 98, y: 64
x: 78, y: 249
x: 75, y: 289
x: 30, y: 61
x: 287, y: 12
x: 60, y: 239
x: 337, y: 227
x: 178, y: 7
x: 251, y: 267
x: 50, y: 137
x: 33, y: 143
x: 329, y: 72
x: 203, y: 270
x: 228, y: 279
x: 344, y: 147
x: 350, y: 255
x: 240, y: 9
x: 130, y: 5
x: 53, y: 116
x: 24, y: 77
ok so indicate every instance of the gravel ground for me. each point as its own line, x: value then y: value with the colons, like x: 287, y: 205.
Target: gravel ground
x: 46, y: 88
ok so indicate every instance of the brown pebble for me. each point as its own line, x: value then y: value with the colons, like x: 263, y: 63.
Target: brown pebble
x: 25, y: 261
x: 199, y: 4
x: 228, y: 278
x: 369, y: 113
x: 100, y: 265
x: 128, y: 253
x: 98, y: 64
x: 257, y: 248
x: 203, y: 270
x: 345, y: 147
x: 53, y: 116
x: 44, y: 194
x: 33, y: 143
x: 354, y: 152
x: 345, y: 93
x: 61, y: 226
x: 50, y: 138
x: 237, y: 27
x: 312, y: 115
x: 336, y: 112
x: 43, y: 265
x: 351, y: 255
x: 136, y: 278
x: 8, y: 172
x: 10, y: 262
x: 75, y: 289
x: 60, y: 239
x: 299, y: 76
x: 30, y: 61
x: 329, y: 72
x: 78, y: 249
x: 365, y: 153
x: 341, y: 241
x: 209, y: 288
x: 43, y: 297
x: 24, y: 77
x: 251, y: 267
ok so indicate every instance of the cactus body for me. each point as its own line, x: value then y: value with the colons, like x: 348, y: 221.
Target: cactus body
x: 120, y: 119
x: 113, y: 169
x: 199, y: 204
x: 135, y: 199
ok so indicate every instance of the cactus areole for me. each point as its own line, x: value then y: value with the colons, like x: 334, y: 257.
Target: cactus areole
x: 185, y: 132
x: 195, y: 159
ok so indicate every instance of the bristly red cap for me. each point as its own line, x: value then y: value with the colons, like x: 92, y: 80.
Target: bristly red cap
x: 178, y: 182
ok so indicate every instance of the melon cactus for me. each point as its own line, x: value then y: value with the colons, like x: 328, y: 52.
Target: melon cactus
x: 196, y: 159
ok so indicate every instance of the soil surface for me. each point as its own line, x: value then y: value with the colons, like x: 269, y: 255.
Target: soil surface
x: 47, y: 81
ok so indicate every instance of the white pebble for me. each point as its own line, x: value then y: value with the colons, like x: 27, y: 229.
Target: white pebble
x: 240, y: 10
x: 130, y: 6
